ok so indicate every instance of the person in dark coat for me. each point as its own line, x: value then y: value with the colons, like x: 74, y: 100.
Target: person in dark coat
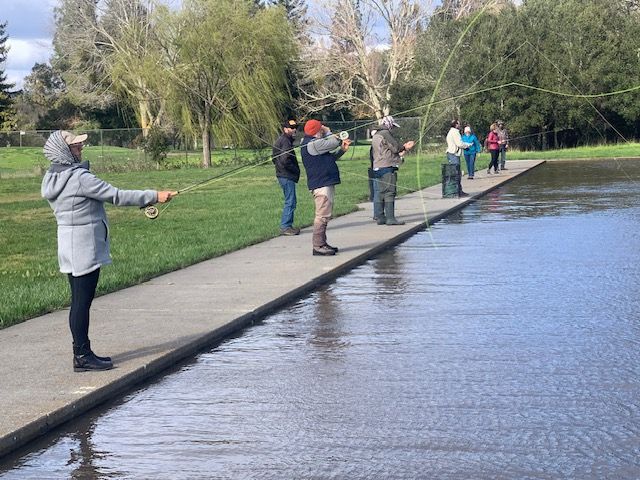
x: 288, y: 174
x: 320, y: 149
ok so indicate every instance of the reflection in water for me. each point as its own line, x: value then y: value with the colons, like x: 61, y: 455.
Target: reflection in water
x: 502, y: 344
x: 72, y: 456
x: 390, y: 283
x: 83, y: 457
x: 327, y: 336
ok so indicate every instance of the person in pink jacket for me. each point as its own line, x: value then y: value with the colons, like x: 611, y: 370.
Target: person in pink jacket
x: 493, y: 145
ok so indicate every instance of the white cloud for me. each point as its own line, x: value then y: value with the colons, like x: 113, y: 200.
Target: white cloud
x: 23, y: 54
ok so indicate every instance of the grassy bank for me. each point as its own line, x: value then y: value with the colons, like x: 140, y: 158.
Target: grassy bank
x: 220, y: 217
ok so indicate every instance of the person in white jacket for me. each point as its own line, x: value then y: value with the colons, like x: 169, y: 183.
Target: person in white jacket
x: 77, y: 198
x: 455, y: 146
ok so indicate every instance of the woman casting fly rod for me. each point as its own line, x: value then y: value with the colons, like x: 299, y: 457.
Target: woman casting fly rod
x: 77, y: 198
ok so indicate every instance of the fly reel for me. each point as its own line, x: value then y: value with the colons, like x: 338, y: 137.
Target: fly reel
x: 151, y: 212
x: 344, y: 135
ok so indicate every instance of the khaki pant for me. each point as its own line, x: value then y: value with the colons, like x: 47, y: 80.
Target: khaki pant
x: 323, y: 198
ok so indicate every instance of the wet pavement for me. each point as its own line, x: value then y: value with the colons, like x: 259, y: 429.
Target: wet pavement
x: 500, y: 343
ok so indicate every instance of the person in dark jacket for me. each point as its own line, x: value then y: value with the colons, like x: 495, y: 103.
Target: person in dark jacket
x: 320, y: 150
x: 288, y: 174
x: 77, y: 198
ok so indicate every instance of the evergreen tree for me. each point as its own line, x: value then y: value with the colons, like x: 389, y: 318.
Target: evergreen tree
x: 7, y: 111
x: 572, y: 47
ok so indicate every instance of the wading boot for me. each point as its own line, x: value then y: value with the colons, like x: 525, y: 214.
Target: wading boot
x: 85, y: 360
x: 389, y: 211
x: 380, y: 218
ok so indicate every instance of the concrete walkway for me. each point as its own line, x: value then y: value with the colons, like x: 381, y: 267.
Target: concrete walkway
x: 149, y: 327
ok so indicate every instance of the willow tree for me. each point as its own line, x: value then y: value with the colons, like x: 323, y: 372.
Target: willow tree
x: 109, y: 49
x: 228, y: 76
x: 135, y: 55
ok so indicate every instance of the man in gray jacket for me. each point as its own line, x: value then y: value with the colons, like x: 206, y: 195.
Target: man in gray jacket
x: 388, y: 154
x: 77, y: 198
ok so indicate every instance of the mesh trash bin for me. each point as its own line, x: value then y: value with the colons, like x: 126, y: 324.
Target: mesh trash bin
x: 451, y: 177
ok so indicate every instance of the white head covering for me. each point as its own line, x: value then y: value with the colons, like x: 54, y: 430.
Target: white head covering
x: 389, y: 122
x: 57, y: 150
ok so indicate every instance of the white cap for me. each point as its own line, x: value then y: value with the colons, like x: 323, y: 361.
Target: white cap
x: 71, y: 138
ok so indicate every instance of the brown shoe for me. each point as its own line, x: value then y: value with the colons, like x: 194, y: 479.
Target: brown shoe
x: 290, y: 231
x: 335, y: 249
x: 323, y: 251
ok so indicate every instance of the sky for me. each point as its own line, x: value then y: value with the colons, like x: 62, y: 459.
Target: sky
x: 30, y: 29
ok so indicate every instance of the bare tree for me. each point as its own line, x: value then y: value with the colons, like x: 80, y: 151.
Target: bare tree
x: 457, y: 9
x: 360, y: 54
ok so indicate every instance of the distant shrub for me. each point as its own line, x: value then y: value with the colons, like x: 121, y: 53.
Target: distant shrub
x: 156, y: 144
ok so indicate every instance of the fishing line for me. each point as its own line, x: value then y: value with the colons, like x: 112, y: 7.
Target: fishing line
x: 620, y: 167
x: 427, y: 105
x: 426, y: 115
x: 423, y: 130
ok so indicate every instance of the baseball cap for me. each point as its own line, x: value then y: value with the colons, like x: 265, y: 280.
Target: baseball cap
x: 312, y: 127
x: 71, y: 138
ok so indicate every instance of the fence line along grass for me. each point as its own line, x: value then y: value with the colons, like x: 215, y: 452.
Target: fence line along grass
x: 222, y: 216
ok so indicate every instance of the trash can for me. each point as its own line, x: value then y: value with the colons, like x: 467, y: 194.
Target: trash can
x: 451, y: 177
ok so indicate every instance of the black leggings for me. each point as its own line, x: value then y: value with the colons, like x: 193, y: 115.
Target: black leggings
x: 83, y: 289
x: 494, y: 160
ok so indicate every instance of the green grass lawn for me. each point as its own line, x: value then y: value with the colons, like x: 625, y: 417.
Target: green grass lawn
x: 219, y: 217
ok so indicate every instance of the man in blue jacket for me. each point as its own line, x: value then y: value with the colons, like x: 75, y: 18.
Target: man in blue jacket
x: 319, y: 149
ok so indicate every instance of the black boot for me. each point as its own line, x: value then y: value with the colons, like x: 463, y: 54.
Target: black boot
x: 84, y: 360
x: 389, y: 211
x: 104, y: 359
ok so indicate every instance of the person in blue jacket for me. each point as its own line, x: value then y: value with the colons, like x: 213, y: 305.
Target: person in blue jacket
x: 470, y: 152
x: 320, y: 149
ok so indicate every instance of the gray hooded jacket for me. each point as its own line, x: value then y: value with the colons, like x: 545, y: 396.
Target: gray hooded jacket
x: 77, y: 198
x: 386, y: 149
